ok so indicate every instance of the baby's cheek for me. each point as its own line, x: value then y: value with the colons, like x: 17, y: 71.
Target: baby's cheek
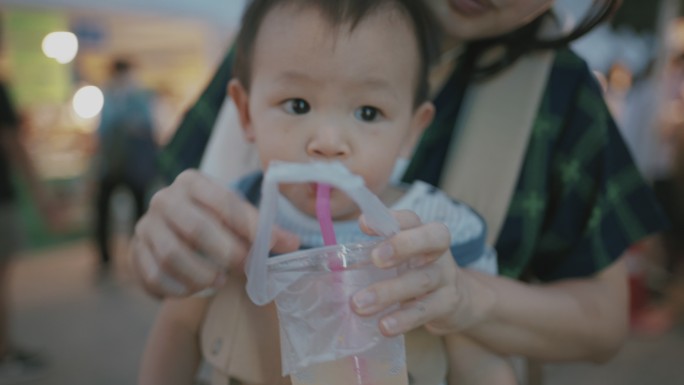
x: 377, y: 184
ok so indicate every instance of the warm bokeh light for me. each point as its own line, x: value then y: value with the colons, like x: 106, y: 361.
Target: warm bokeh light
x: 61, y: 46
x: 675, y: 36
x: 88, y: 102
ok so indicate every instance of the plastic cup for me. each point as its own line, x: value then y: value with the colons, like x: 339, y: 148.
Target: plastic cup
x: 321, y: 337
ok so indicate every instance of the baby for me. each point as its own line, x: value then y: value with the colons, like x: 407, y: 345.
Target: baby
x: 330, y: 81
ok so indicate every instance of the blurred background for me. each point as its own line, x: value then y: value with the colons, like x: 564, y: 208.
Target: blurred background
x: 56, y: 55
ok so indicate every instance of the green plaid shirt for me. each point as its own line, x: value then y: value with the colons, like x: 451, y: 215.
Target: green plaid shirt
x: 187, y: 146
x: 579, y: 201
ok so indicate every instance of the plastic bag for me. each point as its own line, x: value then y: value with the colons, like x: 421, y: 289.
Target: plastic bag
x: 316, y: 321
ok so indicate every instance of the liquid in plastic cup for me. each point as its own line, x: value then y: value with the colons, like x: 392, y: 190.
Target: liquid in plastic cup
x: 329, y: 343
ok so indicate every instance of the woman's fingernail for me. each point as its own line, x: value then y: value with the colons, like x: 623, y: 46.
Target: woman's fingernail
x: 384, y: 254
x: 364, y: 299
x: 390, y: 325
x: 172, y: 286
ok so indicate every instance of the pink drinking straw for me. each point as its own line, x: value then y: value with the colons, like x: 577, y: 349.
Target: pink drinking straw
x: 323, y: 214
x: 328, y: 231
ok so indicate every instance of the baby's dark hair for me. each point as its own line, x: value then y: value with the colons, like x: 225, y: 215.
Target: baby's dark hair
x: 338, y: 13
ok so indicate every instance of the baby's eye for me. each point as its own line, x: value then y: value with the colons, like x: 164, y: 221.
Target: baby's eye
x: 367, y: 114
x: 296, y: 106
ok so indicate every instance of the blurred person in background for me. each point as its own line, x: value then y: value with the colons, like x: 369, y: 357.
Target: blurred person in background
x: 126, y: 150
x: 16, y: 364
x: 665, y: 274
x: 618, y: 85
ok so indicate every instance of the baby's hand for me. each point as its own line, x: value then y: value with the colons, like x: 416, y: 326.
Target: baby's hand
x: 432, y: 291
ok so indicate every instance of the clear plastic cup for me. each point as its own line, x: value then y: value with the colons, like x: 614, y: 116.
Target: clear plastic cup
x: 321, y: 337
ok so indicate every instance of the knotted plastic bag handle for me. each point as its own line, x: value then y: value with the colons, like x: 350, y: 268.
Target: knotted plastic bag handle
x: 377, y: 216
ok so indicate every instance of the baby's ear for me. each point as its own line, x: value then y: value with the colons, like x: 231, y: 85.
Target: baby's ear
x: 238, y: 94
x: 422, y: 117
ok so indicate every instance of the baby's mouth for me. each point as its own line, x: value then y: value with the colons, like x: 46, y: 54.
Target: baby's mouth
x: 312, y: 189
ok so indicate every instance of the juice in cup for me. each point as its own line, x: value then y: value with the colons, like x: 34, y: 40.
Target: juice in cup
x: 373, y: 367
x: 323, y: 340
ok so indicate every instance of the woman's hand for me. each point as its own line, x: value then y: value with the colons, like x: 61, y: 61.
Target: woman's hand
x: 192, y: 233
x: 584, y: 318
x: 433, y: 291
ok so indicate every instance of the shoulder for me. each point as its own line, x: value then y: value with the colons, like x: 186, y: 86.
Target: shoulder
x: 468, y: 229
x: 569, y: 59
x: 573, y: 104
x: 571, y: 64
x: 569, y: 73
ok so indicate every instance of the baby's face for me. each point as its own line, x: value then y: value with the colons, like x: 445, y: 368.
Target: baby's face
x: 324, y: 94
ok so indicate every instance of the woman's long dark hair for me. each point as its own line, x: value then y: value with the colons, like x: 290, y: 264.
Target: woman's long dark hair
x: 526, y: 38
x: 428, y: 160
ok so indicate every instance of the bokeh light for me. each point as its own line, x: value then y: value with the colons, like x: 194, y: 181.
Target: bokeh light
x: 61, y: 46
x: 88, y: 102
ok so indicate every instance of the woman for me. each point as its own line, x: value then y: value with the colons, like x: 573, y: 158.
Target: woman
x: 577, y: 204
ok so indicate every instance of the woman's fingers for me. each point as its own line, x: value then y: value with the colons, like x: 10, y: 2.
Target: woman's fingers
x: 428, y: 295
x: 233, y: 212
x: 148, y: 273
x: 407, y: 219
x: 192, y: 233
x: 181, y: 247
x: 181, y: 262
x: 202, y: 232
x: 410, y: 285
x: 196, y: 222
x: 418, y: 246
x: 421, y: 311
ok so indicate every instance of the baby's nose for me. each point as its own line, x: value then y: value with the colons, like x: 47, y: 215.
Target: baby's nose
x: 328, y: 142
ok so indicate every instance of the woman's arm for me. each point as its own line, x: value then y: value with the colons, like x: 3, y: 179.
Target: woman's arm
x: 472, y: 364
x: 580, y: 319
x: 172, y: 354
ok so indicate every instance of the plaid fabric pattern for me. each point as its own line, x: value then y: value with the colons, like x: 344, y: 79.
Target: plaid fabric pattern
x: 431, y: 152
x: 187, y: 146
x: 579, y: 201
